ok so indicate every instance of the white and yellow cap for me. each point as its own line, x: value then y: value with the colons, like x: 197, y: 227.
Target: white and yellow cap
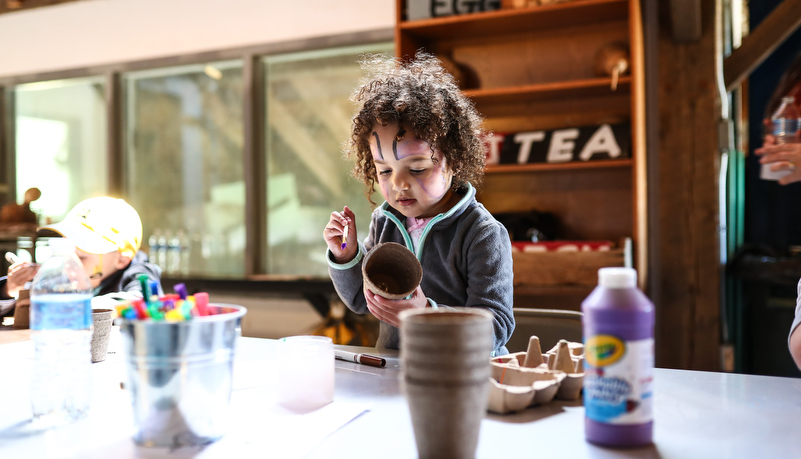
x: 101, y: 225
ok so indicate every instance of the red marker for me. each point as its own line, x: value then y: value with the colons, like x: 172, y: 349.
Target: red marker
x: 201, y: 303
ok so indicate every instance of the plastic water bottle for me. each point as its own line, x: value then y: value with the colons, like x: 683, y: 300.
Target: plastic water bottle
x: 784, y: 123
x: 619, y: 356
x: 153, y: 245
x: 61, y: 329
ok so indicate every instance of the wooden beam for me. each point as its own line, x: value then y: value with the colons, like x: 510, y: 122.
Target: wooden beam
x: 8, y: 135
x: 114, y: 136
x: 639, y: 172
x: 685, y: 19
x: 255, y: 172
x: 688, y: 316
x: 8, y: 6
x: 771, y: 32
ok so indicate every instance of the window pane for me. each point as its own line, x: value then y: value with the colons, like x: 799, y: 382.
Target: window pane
x: 308, y: 119
x: 61, y: 143
x: 184, y: 174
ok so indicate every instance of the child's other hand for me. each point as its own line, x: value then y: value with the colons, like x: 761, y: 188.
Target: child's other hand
x: 782, y: 157
x: 334, y: 231
x: 388, y: 310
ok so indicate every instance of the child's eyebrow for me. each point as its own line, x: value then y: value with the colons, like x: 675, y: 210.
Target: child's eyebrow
x: 417, y: 158
x: 378, y: 145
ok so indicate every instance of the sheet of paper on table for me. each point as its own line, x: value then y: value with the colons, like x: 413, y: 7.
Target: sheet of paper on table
x: 258, y: 424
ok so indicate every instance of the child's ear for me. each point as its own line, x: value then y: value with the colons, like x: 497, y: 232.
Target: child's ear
x: 123, y: 260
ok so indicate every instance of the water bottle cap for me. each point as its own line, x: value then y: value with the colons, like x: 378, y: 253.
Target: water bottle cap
x: 617, y: 277
x: 61, y: 245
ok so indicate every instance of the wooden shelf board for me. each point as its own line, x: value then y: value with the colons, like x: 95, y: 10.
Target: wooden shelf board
x: 556, y: 290
x: 591, y: 87
x: 543, y: 167
x: 517, y: 20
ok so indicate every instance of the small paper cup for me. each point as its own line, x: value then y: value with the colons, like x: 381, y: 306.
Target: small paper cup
x: 101, y: 322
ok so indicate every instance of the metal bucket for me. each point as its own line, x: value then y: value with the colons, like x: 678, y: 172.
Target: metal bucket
x: 180, y: 376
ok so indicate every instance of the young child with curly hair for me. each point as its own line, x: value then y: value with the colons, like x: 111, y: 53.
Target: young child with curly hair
x: 418, y: 139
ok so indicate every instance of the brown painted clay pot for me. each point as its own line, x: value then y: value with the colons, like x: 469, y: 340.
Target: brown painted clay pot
x: 392, y: 271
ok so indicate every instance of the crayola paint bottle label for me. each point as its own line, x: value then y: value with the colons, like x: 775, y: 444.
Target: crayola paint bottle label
x: 619, y: 361
x: 618, y: 380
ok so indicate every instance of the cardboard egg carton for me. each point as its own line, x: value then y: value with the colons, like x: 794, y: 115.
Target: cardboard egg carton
x: 531, y: 378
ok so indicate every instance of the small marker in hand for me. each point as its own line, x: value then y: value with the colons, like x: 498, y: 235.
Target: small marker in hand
x: 344, y: 238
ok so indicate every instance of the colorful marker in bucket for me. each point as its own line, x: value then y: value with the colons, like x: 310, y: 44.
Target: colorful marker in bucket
x: 171, y: 307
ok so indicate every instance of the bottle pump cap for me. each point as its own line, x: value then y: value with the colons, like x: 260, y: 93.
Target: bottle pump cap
x: 617, y: 277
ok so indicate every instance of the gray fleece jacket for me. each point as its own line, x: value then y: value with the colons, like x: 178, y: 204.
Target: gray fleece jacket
x: 467, y: 261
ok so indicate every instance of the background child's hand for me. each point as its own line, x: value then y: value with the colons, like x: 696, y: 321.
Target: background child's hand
x: 334, y: 231
x: 781, y: 157
x: 388, y: 310
x: 18, y: 275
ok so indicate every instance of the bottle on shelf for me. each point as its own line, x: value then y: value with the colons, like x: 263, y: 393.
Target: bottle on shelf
x: 153, y: 246
x: 784, y: 122
x: 174, y: 253
x: 619, y: 361
x: 61, y: 330
x: 185, y: 250
x: 161, y: 254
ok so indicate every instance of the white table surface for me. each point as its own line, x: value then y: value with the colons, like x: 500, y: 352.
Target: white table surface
x: 697, y: 415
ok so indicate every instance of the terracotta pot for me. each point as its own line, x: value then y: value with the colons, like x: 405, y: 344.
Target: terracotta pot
x: 392, y: 271
x: 446, y: 419
x: 445, y: 363
x: 22, y: 311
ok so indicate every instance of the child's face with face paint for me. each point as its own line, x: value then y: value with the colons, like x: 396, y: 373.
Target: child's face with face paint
x: 409, y: 180
x: 99, y: 267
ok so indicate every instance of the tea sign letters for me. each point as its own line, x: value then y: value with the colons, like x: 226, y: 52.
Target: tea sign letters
x: 586, y: 143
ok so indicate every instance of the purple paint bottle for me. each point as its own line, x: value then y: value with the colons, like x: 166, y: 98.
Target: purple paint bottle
x: 619, y: 361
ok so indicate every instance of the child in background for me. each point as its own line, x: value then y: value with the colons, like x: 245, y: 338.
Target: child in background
x: 107, y: 233
x: 418, y: 138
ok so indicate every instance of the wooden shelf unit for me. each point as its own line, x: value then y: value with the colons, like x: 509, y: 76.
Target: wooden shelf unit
x: 511, y: 21
x: 547, y: 91
x: 535, y: 70
x: 599, y: 164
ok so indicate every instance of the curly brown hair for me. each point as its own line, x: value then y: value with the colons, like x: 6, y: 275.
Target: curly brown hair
x: 421, y: 94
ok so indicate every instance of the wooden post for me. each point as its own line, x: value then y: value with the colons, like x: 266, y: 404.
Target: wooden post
x: 688, y: 316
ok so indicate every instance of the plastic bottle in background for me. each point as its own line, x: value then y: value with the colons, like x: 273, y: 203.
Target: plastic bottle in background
x: 161, y: 258
x: 784, y: 123
x: 186, y: 254
x: 619, y: 357
x: 174, y: 253
x: 153, y: 246
x: 61, y: 330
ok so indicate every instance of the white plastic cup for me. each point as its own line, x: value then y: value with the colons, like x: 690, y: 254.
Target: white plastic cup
x: 305, y: 372
x: 765, y: 172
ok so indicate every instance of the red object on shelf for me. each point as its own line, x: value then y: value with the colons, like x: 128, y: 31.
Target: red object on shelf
x: 562, y: 246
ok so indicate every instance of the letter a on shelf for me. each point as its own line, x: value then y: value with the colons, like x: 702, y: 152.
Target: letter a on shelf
x: 602, y: 141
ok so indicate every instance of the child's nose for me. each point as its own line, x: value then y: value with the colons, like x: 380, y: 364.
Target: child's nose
x: 400, y: 182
